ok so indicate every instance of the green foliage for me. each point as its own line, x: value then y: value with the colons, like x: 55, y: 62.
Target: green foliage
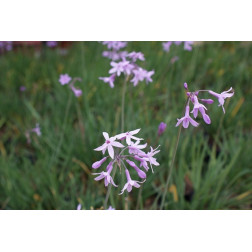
x: 213, y: 164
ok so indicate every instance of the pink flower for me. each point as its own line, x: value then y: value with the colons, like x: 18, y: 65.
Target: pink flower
x: 106, y: 175
x: 64, y: 79
x: 222, y: 96
x: 79, y: 207
x: 130, y: 183
x: 187, y: 119
x: 109, y: 80
x: 109, y: 143
x: 197, y: 107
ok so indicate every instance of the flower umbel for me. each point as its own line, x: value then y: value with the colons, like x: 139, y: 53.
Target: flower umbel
x: 125, y: 63
x: 117, y: 147
x: 198, y: 107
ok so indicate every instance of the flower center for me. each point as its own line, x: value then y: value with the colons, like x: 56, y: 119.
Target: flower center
x: 107, y: 142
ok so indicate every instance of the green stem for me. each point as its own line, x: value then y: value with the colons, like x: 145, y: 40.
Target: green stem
x: 109, y: 189
x: 171, y: 168
x: 123, y: 102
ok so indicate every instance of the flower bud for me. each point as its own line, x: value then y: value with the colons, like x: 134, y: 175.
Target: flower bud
x: 97, y: 164
x: 161, y: 128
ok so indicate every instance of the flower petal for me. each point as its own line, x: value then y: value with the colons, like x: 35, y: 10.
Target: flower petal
x: 111, y: 151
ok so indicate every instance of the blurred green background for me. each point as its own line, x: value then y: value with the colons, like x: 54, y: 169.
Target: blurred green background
x: 213, y: 166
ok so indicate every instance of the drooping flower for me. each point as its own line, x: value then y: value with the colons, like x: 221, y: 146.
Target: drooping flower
x: 149, y: 157
x: 187, y: 119
x: 109, y: 80
x: 222, y: 96
x: 130, y: 183
x: 106, y: 175
x: 77, y: 92
x: 161, y: 128
x: 64, y: 79
x: 109, y: 143
x: 197, y: 107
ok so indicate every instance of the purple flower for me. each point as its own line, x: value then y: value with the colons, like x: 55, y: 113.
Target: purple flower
x: 129, y: 135
x: 188, y: 45
x: 149, y: 157
x: 167, y: 45
x: 64, y: 79
x: 187, y: 119
x: 134, y: 56
x: 116, y: 45
x: 208, y: 101
x: 148, y: 76
x: 222, y: 96
x: 161, y: 128
x: 139, y: 75
x: 109, y: 143
x: 134, y: 148
x: 118, y: 68
x: 130, y: 183
x: 185, y: 86
x: 79, y: 207
x: 109, y: 80
x: 106, y: 175
x: 197, y: 107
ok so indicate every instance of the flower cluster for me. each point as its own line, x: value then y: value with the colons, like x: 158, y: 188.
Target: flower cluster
x: 66, y: 79
x: 117, y: 147
x: 187, y: 45
x: 199, y: 107
x: 126, y: 65
x: 114, y: 48
x: 36, y: 130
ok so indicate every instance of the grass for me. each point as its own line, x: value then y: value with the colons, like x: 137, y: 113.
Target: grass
x: 213, y: 164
